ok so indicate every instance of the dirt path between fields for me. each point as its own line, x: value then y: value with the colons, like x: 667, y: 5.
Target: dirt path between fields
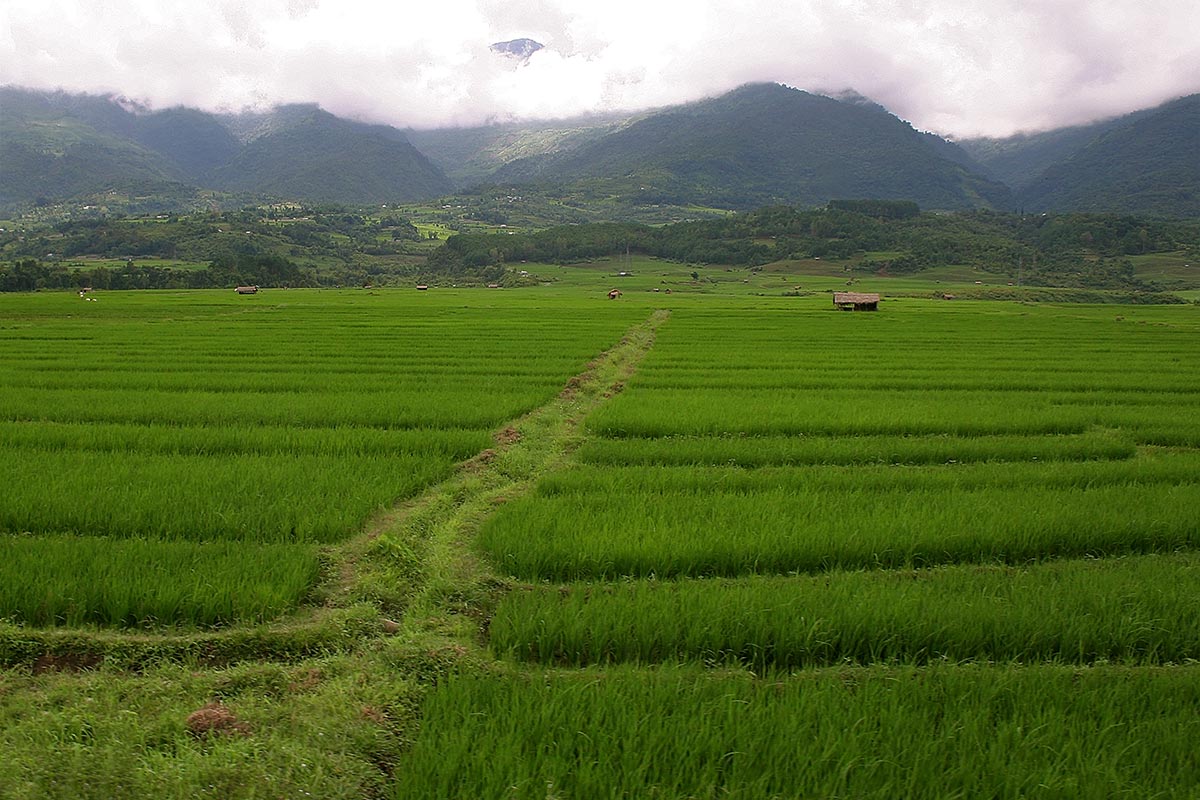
x: 438, y: 590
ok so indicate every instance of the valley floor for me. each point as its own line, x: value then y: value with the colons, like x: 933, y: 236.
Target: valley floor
x: 536, y: 543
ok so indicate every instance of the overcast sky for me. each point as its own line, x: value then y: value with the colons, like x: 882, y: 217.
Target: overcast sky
x: 957, y: 67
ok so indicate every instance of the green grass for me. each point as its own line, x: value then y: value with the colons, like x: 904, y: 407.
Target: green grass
x: 1134, y: 609
x: 1173, y: 270
x: 686, y: 521
x: 762, y: 451
x: 53, y: 581
x: 314, y: 729
x: 196, y: 417
x: 865, y: 733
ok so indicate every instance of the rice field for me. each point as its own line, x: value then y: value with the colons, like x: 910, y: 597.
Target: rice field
x: 879, y: 732
x: 181, y: 458
x: 930, y: 552
x: 1135, y: 609
x: 945, y: 550
x: 777, y: 441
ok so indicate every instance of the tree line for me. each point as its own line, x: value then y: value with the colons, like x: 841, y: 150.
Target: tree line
x: 878, y: 236
x: 28, y: 275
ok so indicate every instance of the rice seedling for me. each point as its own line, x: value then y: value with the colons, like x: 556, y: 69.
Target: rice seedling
x: 596, y: 522
x: 762, y: 451
x: 253, y: 498
x: 1137, y: 609
x: 933, y: 732
x: 64, y: 580
x: 191, y: 420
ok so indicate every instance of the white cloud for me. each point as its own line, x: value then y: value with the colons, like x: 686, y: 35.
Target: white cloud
x: 954, y: 66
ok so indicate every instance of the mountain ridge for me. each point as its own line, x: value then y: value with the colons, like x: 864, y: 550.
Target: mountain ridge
x: 58, y: 146
x: 762, y: 143
x: 765, y: 143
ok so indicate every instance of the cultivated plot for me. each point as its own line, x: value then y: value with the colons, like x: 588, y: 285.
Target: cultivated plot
x: 182, y: 458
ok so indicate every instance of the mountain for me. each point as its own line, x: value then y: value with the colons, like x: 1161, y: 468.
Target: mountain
x: 194, y: 141
x: 520, y: 49
x: 1147, y: 163
x: 1019, y: 160
x: 760, y: 144
x: 304, y: 152
x: 471, y: 155
x: 766, y: 143
x: 57, y: 146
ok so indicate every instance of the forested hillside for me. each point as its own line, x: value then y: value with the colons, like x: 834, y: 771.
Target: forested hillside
x: 765, y: 143
x: 892, y: 238
x: 762, y: 144
x: 1150, y: 165
x: 1147, y: 162
x: 59, y: 147
x: 321, y: 157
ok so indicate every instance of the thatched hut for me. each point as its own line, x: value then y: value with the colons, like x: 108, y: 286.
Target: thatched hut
x: 856, y: 301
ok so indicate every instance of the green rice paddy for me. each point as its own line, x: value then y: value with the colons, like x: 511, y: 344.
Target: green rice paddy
x: 880, y: 732
x: 148, y: 439
x: 956, y: 505
x: 944, y: 550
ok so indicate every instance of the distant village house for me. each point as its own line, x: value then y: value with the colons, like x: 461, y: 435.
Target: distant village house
x: 856, y: 301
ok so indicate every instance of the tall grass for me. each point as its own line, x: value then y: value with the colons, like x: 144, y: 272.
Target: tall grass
x: 128, y: 438
x: 51, y: 581
x: 758, y: 411
x: 1135, y: 609
x: 936, y: 732
x: 252, y: 498
x: 683, y: 521
x: 759, y: 451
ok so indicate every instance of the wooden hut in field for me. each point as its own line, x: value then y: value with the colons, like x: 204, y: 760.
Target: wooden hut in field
x: 246, y: 290
x: 614, y: 294
x: 856, y: 301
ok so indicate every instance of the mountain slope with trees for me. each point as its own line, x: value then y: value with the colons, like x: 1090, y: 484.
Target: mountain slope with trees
x: 1147, y: 165
x: 56, y: 146
x: 470, y: 155
x: 766, y: 143
x: 318, y: 156
x: 758, y: 145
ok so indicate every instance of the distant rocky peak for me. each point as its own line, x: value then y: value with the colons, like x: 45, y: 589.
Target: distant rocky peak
x: 520, y: 49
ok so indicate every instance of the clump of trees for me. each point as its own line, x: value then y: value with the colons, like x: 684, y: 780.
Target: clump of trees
x: 29, y: 275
